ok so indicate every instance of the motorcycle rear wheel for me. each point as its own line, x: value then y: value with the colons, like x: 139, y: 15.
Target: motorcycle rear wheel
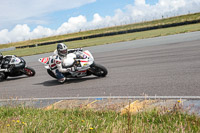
x: 29, y: 71
x: 99, y: 70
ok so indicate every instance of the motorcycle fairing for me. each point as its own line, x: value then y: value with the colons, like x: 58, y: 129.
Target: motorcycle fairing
x: 90, y: 57
x: 86, y: 61
x: 79, y: 73
x: 15, y: 60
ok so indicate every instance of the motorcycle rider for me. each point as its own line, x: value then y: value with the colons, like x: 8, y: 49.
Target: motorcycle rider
x: 63, y: 60
x: 4, y: 63
x: 3, y: 60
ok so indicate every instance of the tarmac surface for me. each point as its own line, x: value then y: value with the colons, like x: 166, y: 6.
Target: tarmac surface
x: 161, y: 66
x: 156, y: 66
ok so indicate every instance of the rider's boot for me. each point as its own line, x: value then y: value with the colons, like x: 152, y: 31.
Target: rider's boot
x: 62, y: 80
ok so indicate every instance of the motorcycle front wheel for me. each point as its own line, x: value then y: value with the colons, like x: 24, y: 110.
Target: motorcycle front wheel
x: 98, y: 70
x: 2, y: 76
x: 29, y: 71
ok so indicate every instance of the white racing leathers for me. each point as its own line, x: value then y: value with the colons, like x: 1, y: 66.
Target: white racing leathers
x: 57, y: 64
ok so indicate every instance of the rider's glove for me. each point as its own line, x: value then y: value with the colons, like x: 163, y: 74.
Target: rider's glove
x: 8, y: 70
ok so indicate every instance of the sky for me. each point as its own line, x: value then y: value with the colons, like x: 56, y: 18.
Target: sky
x: 30, y: 19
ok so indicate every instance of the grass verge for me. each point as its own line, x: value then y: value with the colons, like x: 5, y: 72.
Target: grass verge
x: 107, y: 40
x: 27, y: 119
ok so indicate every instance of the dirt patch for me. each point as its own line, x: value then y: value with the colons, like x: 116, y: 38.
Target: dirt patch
x: 119, y: 105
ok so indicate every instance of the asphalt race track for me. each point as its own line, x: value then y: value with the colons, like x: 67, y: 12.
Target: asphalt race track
x: 162, y: 66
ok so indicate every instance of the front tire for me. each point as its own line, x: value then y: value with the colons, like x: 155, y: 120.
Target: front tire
x: 2, y: 76
x: 99, y: 70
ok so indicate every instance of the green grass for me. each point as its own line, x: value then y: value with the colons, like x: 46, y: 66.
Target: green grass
x: 183, y: 18
x: 107, y: 40
x: 26, y: 119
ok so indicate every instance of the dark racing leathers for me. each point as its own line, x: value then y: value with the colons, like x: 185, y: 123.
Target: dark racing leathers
x: 4, y: 64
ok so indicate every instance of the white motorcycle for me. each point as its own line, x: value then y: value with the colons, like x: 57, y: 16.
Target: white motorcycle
x: 84, y: 64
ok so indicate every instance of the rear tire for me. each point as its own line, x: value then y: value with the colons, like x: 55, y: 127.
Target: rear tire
x: 99, y: 70
x: 29, y: 71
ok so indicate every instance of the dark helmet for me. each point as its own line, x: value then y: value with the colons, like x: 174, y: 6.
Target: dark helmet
x: 62, y: 49
x: 1, y: 56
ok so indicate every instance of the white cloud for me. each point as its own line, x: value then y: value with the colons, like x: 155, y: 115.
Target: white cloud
x: 97, y: 19
x: 139, y: 11
x: 139, y: 2
x: 40, y: 31
x: 74, y: 24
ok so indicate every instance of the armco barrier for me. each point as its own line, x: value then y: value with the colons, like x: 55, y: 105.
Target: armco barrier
x: 114, y: 33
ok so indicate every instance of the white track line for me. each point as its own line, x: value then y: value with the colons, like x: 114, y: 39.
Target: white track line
x: 104, y: 97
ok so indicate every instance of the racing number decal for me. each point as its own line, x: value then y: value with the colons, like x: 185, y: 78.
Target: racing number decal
x: 85, y: 62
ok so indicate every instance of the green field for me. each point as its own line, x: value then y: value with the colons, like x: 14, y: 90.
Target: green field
x: 108, y: 39
x: 32, y: 120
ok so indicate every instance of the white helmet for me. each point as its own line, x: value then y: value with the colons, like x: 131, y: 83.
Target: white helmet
x: 62, y: 49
